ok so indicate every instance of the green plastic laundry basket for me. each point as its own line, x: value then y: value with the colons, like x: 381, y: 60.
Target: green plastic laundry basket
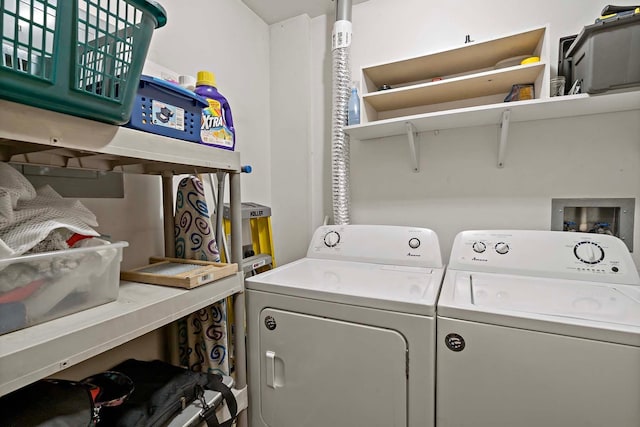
x: 79, y: 57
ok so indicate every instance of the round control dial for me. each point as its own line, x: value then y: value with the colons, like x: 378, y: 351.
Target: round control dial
x: 589, y: 252
x: 502, y: 248
x: 479, y: 247
x: 331, y: 239
x: 414, y: 243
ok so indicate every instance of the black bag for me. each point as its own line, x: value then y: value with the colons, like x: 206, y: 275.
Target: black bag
x: 63, y: 403
x: 51, y: 403
x: 161, y: 391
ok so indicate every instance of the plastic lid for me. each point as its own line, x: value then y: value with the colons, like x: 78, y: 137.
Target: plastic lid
x: 206, y: 78
x: 530, y: 60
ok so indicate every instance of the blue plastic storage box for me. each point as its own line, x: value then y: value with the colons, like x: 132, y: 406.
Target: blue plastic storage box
x: 164, y: 108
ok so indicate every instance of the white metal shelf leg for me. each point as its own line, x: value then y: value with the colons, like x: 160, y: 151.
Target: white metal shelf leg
x: 504, y: 135
x: 412, y: 137
x: 167, y: 211
x: 238, y: 299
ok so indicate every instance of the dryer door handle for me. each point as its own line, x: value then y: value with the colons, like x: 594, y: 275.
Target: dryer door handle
x: 271, y: 369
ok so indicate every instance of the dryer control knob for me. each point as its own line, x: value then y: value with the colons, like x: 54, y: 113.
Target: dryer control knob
x: 479, y: 247
x: 331, y: 239
x: 414, y: 243
x: 502, y: 248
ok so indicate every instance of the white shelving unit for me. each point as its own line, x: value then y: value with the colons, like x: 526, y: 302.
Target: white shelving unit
x: 496, y: 114
x: 42, y: 350
x: 33, y: 136
x: 69, y: 141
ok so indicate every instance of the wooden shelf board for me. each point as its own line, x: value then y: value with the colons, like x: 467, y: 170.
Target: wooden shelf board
x: 121, y: 149
x: 473, y: 86
x: 42, y: 350
x: 466, y: 58
x: 537, y: 109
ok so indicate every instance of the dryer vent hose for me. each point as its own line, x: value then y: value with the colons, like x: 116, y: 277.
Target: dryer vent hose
x: 341, y: 44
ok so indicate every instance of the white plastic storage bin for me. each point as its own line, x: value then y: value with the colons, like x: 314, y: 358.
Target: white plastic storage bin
x: 40, y: 287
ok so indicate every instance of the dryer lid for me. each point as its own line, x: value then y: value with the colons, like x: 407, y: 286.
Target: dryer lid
x: 602, y: 311
x: 388, y: 287
x: 378, y: 244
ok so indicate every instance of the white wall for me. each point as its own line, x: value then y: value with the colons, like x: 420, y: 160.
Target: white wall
x: 459, y: 186
x: 290, y: 62
x: 225, y: 37
x: 136, y: 219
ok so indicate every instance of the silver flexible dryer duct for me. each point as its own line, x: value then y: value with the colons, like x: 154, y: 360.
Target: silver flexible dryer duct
x: 341, y: 45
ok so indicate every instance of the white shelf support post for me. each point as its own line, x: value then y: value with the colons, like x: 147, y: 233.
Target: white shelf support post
x: 412, y: 136
x: 504, y: 135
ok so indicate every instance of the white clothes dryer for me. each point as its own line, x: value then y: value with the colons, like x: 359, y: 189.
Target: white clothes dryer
x: 345, y: 336
x: 538, y: 328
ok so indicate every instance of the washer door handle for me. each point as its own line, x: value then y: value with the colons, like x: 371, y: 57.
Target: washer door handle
x: 271, y: 369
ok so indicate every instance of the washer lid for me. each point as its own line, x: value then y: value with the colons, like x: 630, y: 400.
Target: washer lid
x: 591, y: 257
x: 388, y: 287
x: 606, y: 312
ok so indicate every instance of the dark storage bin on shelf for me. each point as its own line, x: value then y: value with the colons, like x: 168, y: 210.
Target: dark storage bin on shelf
x: 606, y: 55
x: 80, y: 57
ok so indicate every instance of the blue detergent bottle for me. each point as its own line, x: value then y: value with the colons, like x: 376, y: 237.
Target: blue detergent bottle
x: 353, y: 116
x: 217, y: 122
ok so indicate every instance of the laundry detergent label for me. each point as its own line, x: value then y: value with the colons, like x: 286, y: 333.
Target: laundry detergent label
x: 167, y: 115
x: 213, y: 128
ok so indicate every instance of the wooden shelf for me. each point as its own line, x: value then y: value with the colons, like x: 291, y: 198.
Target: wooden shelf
x: 36, y: 352
x: 467, y: 58
x: 56, y: 139
x: 494, y: 82
x: 471, y: 75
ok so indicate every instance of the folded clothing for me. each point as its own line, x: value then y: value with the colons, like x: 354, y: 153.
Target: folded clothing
x: 14, y: 187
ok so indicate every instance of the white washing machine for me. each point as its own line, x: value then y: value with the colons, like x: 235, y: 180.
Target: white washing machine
x: 538, y: 328
x: 345, y: 336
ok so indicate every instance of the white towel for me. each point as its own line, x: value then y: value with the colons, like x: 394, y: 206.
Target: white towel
x: 13, y: 187
x: 28, y: 216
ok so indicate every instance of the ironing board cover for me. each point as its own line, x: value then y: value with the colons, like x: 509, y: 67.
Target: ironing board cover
x: 202, y: 336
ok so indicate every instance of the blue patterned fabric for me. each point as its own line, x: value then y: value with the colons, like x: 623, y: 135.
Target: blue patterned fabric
x: 202, y: 336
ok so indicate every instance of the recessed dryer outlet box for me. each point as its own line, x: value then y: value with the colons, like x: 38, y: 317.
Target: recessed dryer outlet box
x: 609, y: 216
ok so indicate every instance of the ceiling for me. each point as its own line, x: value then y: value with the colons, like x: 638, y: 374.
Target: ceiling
x: 272, y: 11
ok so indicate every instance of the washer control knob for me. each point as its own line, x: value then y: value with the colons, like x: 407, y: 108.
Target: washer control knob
x: 502, y: 248
x: 479, y: 247
x: 414, y: 243
x: 589, y: 252
x: 331, y: 239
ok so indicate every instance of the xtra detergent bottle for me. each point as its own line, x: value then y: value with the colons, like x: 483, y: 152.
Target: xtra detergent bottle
x: 217, y: 124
